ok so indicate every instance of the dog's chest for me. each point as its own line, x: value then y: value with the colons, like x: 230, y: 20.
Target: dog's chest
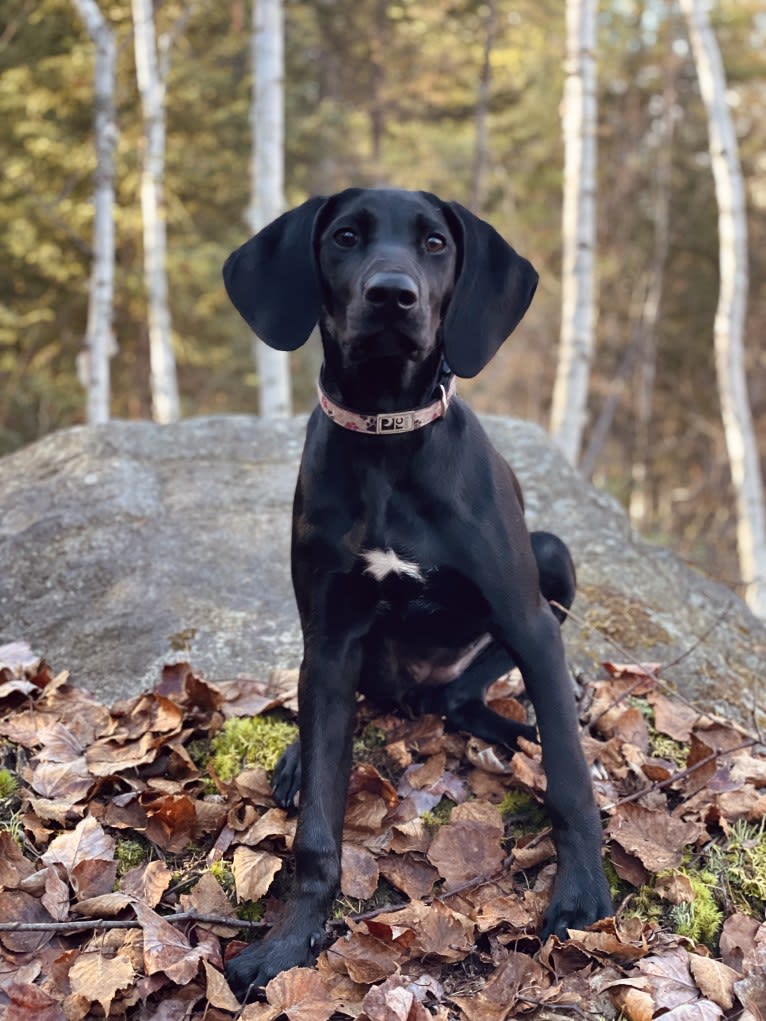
x: 382, y: 563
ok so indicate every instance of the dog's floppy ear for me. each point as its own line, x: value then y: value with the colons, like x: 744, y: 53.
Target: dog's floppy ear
x: 272, y: 279
x: 493, y: 289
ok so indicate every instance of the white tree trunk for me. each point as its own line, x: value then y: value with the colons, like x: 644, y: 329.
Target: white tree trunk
x: 99, y: 338
x: 732, y: 302
x: 579, y: 109
x: 151, y: 86
x: 267, y: 177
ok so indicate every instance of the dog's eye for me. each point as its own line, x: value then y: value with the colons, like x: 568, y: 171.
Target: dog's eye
x: 345, y: 237
x: 435, y: 243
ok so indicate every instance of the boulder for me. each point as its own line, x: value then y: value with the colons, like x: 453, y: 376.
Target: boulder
x: 129, y: 545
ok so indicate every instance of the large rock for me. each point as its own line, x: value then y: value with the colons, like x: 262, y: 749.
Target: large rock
x: 128, y: 545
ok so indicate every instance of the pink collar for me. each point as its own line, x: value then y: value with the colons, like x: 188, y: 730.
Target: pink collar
x: 389, y: 422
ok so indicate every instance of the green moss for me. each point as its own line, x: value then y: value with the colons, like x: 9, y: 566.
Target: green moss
x: 700, y: 920
x: 372, y: 739
x: 522, y: 812
x: 8, y: 783
x: 251, y: 911
x: 221, y: 870
x: 129, y: 854
x: 664, y: 747
x: 438, y: 815
x: 250, y: 741
x: 740, y: 865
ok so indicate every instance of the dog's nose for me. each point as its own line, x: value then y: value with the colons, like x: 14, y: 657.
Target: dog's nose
x: 391, y: 289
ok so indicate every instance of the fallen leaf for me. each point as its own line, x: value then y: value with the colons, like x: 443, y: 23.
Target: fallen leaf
x: 18, y: 906
x: 470, y: 846
x: 166, y: 949
x: 655, y: 838
x: 98, y: 978
x: 170, y: 820
x: 253, y: 872
x: 393, y: 1000
x: 87, y: 841
x: 218, y: 991
x: 516, y: 985
x: 359, y: 872
x: 207, y: 898
x: 714, y: 979
x: 55, y: 900
x: 147, y: 883
x: 409, y: 873
x: 31, y: 1003
x: 301, y: 994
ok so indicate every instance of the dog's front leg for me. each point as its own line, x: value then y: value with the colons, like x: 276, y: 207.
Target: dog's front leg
x: 328, y: 681
x: 580, y: 893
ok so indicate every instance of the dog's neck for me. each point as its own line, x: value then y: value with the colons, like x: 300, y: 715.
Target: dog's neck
x: 383, y: 385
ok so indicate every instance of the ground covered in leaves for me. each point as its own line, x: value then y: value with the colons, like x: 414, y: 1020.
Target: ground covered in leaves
x: 140, y: 848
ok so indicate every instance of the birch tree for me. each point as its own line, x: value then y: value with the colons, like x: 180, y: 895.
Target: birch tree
x: 481, y: 151
x: 579, y: 109
x: 151, y: 74
x: 728, y: 330
x: 99, y: 338
x: 267, y: 177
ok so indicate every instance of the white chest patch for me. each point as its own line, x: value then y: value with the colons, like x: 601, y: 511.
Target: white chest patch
x: 381, y: 563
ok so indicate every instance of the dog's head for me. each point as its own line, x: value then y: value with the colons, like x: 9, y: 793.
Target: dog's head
x: 390, y: 273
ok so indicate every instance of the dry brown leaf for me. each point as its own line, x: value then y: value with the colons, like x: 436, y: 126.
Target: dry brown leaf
x: 737, y: 940
x: 714, y: 979
x: 672, y: 718
x: 166, y: 949
x: 31, y: 1003
x: 273, y: 823
x: 93, y: 877
x: 18, y: 906
x: 147, y: 883
x: 108, y: 905
x: 438, y: 931
x: 393, y: 1000
x: 504, y: 910
x: 359, y: 872
x: 301, y: 994
x: 55, y: 900
x: 635, y: 1003
x: 253, y: 872
x: 218, y: 991
x: 485, y: 756
x: 676, y: 888
x: 655, y: 838
x: 99, y: 978
x: 69, y: 780
x: 470, y: 846
x: 363, y: 957
x: 409, y: 873
x: 410, y: 836
x: 516, y: 985
x: 170, y: 820
x: 668, y: 978
x: 207, y: 898
x: 86, y: 842
x: 13, y: 865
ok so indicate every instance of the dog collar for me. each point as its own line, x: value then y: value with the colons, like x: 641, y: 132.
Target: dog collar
x: 389, y: 422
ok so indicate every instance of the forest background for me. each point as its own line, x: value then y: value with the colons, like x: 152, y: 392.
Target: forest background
x: 381, y: 92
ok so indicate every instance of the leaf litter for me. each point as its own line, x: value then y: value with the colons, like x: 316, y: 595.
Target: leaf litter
x: 130, y: 870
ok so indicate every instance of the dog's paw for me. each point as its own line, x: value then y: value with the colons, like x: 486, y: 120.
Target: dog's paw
x: 579, y: 899
x: 286, y: 781
x: 261, y: 961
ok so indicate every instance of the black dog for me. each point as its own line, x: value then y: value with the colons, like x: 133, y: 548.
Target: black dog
x: 415, y: 576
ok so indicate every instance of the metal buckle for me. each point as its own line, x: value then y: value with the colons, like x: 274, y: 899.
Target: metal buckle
x: 444, y: 400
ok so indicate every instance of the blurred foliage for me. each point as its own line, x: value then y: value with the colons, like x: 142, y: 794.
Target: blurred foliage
x: 385, y: 92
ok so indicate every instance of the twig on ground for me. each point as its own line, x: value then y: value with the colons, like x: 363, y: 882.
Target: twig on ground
x: 681, y: 774
x: 84, y: 924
